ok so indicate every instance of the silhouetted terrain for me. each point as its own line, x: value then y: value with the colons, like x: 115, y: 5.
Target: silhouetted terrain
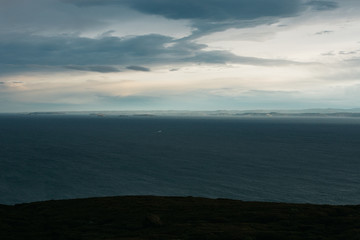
x: 304, y: 113
x: 147, y: 217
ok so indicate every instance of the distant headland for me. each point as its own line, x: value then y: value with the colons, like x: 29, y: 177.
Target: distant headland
x: 307, y: 113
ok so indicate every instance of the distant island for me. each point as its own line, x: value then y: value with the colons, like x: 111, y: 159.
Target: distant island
x: 164, y: 218
x: 308, y: 113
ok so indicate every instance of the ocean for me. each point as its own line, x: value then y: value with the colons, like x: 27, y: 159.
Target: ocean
x: 300, y: 160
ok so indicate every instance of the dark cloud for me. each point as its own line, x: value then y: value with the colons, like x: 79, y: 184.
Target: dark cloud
x: 323, y: 32
x: 50, y: 16
x: 209, y: 16
x: 204, y: 27
x: 2, y: 82
x: 101, y: 69
x: 214, y: 10
x: 323, y: 5
x: 81, y: 3
x: 81, y: 53
x: 332, y: 53
x: 138, y: 68
x: 103, y: 54
x: 348, y: 52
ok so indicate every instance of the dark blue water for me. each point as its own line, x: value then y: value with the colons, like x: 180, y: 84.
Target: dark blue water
x: 283, y: 160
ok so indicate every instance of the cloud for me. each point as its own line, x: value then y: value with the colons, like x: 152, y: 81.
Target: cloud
x: 26, y: 52
x: 47, y: 16
x: 101, y: 69
x: 269, y: 93
x: 333, y: 53
x: 353, y: 61
x: 138, y: 68
x: 216, y: 15
x: 323, y: 5
x: 324, y: 32
x: 216, y: 10
x: 82, y: 53
x: 330, y: 53
x: 205, y: 27
x: 223, y: 57
x: 210, y: 15
x: 348, y: 52
x: 2, y: 82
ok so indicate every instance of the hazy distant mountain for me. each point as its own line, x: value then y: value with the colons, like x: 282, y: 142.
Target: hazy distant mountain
x: 328, y: 112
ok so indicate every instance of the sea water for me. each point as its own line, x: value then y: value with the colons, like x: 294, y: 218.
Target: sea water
x: 298, y: 160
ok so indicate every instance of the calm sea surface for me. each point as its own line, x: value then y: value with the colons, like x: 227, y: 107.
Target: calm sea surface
x: 283, y: 160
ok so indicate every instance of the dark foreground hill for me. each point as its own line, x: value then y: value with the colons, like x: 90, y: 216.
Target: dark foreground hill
x: 147, y: 217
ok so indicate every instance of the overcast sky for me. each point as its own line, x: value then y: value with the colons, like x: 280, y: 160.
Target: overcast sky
x: 178, y: 55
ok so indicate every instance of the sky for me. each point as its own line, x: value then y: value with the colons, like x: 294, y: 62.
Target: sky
x: 83, y: 55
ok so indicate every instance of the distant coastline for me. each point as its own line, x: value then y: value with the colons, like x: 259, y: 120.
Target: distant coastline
x: 308, y: 113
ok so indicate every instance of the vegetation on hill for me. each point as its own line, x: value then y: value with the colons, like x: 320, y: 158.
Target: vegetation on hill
x: 149, y: 217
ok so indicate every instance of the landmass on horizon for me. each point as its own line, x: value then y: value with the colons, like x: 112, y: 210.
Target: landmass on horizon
x: 329, y: 112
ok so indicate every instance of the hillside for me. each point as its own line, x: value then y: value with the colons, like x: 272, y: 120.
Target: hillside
x: 148, y: 217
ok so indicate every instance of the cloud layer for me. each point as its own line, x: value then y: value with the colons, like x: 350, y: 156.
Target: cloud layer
x: 107, y: 54
x: 159, y: 53
x: 208, y: 16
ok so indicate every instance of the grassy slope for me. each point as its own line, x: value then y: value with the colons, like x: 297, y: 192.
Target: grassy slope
x: 145, y: 217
